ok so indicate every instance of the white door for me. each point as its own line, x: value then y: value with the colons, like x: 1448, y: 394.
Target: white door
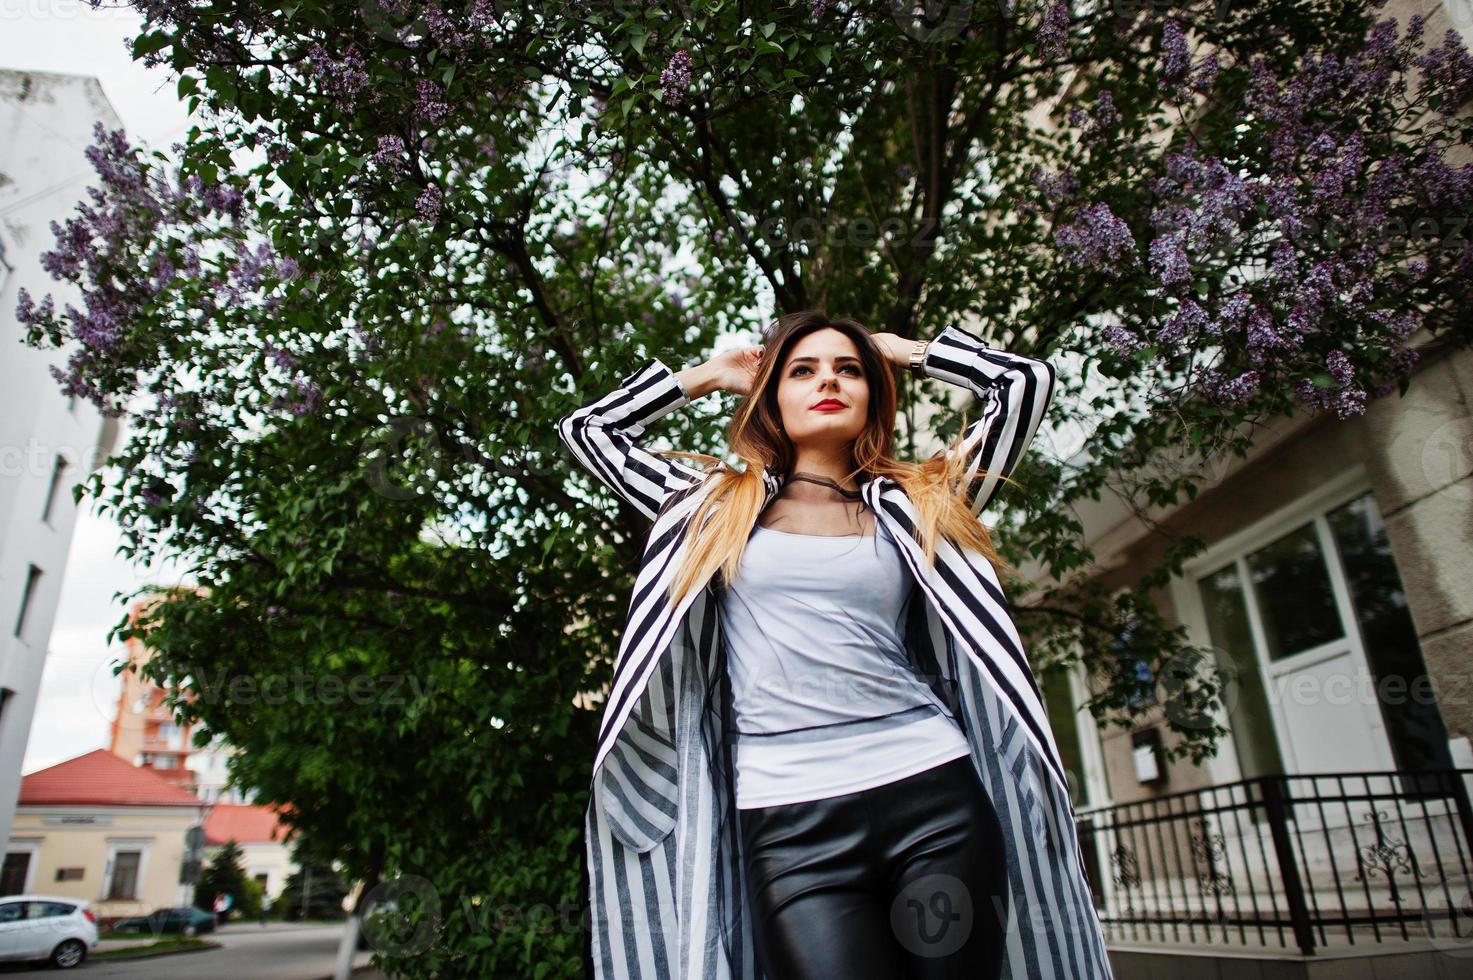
x: 1282, y: 619
x: 1308, y: 615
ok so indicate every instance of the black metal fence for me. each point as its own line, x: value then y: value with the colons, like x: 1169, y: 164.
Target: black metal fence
x: 1300, y: 861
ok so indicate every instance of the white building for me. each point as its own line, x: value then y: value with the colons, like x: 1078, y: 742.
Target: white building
x: 48, y: 443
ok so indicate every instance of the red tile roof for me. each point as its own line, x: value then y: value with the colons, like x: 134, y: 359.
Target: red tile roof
x: 100, y: 778
x: 247, y: 823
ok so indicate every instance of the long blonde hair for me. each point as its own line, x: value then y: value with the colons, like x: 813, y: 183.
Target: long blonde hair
x: 734, y: 498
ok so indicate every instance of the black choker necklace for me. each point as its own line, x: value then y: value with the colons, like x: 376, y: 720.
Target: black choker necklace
x: 825, y: 481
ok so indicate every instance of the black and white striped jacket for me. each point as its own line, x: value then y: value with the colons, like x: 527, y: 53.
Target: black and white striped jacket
x: 656, y: 858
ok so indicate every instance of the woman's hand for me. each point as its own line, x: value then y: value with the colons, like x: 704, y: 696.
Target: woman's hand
x: 734, y: 370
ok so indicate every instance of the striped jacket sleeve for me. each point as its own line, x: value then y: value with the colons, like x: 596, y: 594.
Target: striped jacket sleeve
x: 1013, y: 392
x: 603, y: 434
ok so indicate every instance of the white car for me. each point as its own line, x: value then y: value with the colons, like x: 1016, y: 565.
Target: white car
x: 46, y: 927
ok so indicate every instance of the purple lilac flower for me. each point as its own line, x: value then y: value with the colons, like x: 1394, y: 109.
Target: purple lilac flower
x: 442, y: 29
x: 1206, y: 73
x: 430, y: 104
x: 1099, y: 119
x: 1189, y: 320
x: 342, y: 77
x: 1169, y: 260
x: 1058, y: 188
x: 1175, y: 56
x: 429, y: 202
x: 675, y: 79
x: 1097, y: 239
x: 1053, y: 32
x: 1345, y: 402
x: 1284, y: 264
x: 30, y: 314
x: 1123, y: 341
x: 1449, y: 69
x: 1230, y: 391
x: 389, y: 157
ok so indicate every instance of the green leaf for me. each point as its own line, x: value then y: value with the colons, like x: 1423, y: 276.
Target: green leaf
x: 825, y: 54
x: 187, y: 85
x: 150, y: 43
x: 637, y: 42
x: 768, y: 28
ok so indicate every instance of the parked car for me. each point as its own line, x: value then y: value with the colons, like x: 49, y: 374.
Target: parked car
x: 175, y: 918
x: 47, y: 927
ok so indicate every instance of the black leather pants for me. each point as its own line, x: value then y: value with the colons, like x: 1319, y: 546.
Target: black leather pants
x: 905, y: 880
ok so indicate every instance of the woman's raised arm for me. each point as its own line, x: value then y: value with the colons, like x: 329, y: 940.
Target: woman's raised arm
x: 1013, y: 393
x: 603, y: 433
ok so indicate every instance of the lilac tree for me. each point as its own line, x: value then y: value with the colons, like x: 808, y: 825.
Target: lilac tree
x: 406, y: 237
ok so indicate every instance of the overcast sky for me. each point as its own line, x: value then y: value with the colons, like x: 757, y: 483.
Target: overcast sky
x: 78, y: 691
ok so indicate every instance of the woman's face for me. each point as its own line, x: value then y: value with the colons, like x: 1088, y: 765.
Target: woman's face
x: 822, y: 390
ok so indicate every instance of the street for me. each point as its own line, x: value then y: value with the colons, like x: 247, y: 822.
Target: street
x: 280, y: 951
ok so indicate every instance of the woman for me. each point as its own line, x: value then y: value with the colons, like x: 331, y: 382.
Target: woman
x: 863, y: 797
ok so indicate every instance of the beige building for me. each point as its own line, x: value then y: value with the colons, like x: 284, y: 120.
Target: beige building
x: 111, y: 825
x: 1335, y: 600
x: 96, y: 828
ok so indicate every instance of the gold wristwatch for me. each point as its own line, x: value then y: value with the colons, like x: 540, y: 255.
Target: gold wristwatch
x: 918, y: 356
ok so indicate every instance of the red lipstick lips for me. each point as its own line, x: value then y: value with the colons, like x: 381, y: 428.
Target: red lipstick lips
x: 829, y: 404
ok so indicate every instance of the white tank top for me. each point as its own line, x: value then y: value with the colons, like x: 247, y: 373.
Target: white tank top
x: 823, y: 697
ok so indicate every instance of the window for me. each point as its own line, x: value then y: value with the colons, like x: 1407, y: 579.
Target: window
x: 124, y: 881
x: 69, y: 874
x: 1295, y: 598
x: 28, y: 595
x: 1229, y: 632
x: 12, y: 911
x: 1413, y: 723
x: 170, y: 734
x: 15, y: 870
x: 58, y: 470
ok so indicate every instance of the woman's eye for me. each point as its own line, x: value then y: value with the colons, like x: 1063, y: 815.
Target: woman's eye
x: 853, y: 368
